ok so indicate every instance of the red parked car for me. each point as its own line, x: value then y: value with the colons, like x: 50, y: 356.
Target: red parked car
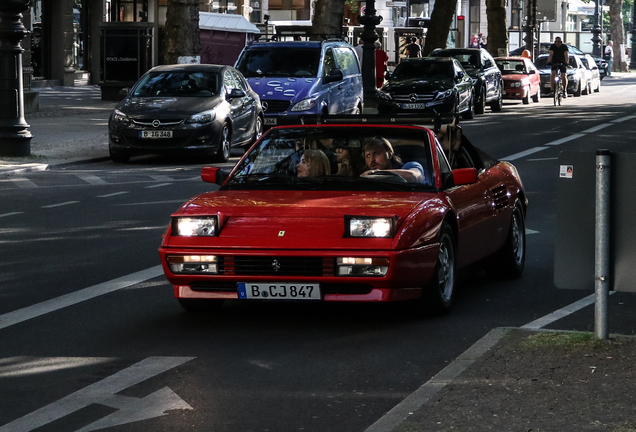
x: 521, y: 79
x: 287, y: 225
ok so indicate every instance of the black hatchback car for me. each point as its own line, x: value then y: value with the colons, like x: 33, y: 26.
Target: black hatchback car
x: 185, y: 109
x: 419, y: 85
x: 486, y: 76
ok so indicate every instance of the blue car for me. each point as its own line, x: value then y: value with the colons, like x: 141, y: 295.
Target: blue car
x: 299, y: 81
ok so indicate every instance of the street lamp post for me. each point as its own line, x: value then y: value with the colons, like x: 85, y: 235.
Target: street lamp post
x: 369, y: 20
x: 15, y: 136
x: 597, y: 30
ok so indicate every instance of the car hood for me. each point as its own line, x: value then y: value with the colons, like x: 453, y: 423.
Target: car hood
x: 418, y: 85
x: 309, y: 219
x: 283, y: 88
x: 166, y: 107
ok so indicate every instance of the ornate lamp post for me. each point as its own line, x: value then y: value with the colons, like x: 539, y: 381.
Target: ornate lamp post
x: 15, y: 137
x: 597, y: 30
x: 369, y: 20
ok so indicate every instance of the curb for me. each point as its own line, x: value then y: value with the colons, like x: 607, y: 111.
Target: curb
x: 419, y: 397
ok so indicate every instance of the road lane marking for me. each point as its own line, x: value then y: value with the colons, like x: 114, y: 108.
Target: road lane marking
x: 158, y: 185
x: 564, y: 140
x: 524, y: 153
x: 622, y: 119
x: 59, y: 204
x: 73, y: 298
x: 561, y: 313
x: 104, y: 392
x: 161, y: 178
x: 91, y: 179
x: 23, y: 183
x: 181, y: 201
x: 112, y: 194
x: 11, y: 214
x: 597, y: 128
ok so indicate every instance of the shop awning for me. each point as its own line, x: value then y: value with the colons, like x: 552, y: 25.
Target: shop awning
x: 226, y: 22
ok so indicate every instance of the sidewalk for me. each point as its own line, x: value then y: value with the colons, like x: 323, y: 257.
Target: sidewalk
x: 71, y: 126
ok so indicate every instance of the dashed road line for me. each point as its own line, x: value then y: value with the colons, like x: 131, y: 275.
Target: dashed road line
x: 566, y: 139
x: 113, y: 194
x: 597, y: 128
x: 158, y: 185
x: 622, y: 119
x: 92, y: 179
x: 59, y: 204
x: 11, y: 214
x: 161, y: 178
x: 524, y: 153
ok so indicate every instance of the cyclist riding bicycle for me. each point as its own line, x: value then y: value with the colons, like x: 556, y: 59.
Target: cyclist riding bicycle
x: 559, y: 57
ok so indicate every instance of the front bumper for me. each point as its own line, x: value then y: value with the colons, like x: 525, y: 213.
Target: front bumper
x: 409, y: 271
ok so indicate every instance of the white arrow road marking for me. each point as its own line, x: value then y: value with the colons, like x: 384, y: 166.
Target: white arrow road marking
x: 104, y: 393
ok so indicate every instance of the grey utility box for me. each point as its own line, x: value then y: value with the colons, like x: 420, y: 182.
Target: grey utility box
x: 576, y: 215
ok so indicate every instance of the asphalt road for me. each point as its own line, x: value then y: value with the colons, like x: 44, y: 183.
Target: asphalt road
x: 92, y: 338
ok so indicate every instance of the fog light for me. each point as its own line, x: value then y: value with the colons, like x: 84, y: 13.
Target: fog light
x: 355, y: 266
x: 197, y: 264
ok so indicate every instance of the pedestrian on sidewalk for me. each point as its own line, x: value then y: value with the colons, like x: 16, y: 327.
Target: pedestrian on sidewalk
x: 609, y: 56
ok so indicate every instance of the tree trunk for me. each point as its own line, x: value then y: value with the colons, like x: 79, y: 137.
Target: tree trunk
x: 327, y: 21
x: 617, y: 33
x: 183, y: 42
x: 439, y: 26
x: 497, y: 27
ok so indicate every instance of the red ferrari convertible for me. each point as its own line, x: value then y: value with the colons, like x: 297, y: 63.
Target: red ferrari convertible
x: 295, y: 220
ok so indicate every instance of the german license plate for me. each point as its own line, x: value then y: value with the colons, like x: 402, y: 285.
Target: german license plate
x: 155, y: 134
x: 270, y: 121
x: 279, y: 291
x: 414, y: 106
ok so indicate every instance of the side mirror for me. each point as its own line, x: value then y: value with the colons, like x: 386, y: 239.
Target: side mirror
x: 213, y: 175
x: 334, y: 76
x: 124, y: 91
x: 531, y: 72
x: 236, y: 93
x: 464, y: 176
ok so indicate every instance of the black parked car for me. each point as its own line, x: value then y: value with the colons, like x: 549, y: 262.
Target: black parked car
x: 420, y: 85
x: 544, y: 48
x: 185, y: 109
x: 485, y: 74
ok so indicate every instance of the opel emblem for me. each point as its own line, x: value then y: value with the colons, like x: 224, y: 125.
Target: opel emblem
x: 412, y: 97
x: 156, y: 123
x: 275, y: 265
x: 265, y: 105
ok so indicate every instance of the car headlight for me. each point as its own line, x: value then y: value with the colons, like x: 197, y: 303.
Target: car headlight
x: 193, y: 264
x: 203, y: 226
x: 202, y: 117
x: 444, y: 94
x: 385, y: 96
x: 356, y: 266
x: 304, y: 105
x: 369, y: 227
x: 515, y: 84
x: 120, y: 117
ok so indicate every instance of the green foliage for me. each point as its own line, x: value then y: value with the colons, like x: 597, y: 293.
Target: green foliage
x: 353, y: 5
x: 565, y: 340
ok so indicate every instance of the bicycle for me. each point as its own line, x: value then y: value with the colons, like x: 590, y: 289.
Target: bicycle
x: 558, y: 86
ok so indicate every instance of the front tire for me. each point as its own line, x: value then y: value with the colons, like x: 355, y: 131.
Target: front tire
x: 480, y: 106
x: 470, y: 113
x: 223, y: 153
x: 440, y: 291
x: 512, y: 256
x: 258, y: 129
x: 497, y: 105
x: 526, y: 99
x: 536, y: 98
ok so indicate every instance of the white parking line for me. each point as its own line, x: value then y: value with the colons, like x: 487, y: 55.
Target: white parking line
x: 564, y: 140
x: 60, y: 204
x: 622, y: 119
x: 70, y: 299
x: 10, y: 214
x: 597, y: 128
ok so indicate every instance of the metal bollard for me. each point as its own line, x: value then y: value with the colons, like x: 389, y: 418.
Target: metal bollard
x: 602, y: 248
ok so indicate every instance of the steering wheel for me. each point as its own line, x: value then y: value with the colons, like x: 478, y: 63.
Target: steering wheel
x: 388, y: 176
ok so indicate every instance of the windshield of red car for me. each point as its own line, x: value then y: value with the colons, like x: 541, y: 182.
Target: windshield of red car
x: 511, y: 67
x: 330, y: 158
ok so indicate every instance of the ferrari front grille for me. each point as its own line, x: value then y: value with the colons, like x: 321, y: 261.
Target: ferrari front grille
x: 499, y: 197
